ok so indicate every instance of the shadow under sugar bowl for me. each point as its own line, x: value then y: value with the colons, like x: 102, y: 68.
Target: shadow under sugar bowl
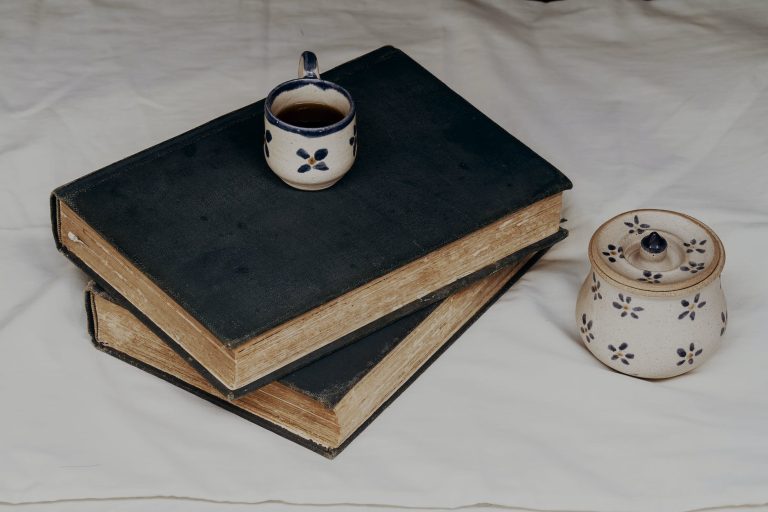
x: 652, y: 305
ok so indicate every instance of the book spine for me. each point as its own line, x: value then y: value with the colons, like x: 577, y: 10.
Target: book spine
x: 54, y: 201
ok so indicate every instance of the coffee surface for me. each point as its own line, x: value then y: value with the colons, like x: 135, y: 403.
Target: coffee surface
x: 310, y: 115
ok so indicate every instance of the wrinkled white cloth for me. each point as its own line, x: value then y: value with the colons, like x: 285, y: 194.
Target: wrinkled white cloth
x: 641, y: 104
x: 197, y: 505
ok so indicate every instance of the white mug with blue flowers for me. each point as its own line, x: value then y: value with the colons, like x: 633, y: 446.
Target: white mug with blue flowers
x: 309, y: 157
x: 652, y: 305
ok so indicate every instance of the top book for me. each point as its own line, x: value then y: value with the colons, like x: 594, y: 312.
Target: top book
x: 250, y: 279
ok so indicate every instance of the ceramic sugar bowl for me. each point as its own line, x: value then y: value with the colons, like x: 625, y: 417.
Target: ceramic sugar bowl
x: 652, y: 305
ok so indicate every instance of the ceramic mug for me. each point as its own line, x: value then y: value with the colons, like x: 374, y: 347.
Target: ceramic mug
x: 309, y: 157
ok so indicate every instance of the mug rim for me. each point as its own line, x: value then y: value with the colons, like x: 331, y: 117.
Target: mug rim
x: 302, y: 82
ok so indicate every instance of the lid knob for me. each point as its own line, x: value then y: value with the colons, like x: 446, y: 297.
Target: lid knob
x: 654, y: 244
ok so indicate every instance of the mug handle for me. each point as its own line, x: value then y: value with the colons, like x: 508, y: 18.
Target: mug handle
x: 308, y: 66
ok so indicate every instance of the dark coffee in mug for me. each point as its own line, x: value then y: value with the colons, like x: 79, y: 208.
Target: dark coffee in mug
x: 310, y: 115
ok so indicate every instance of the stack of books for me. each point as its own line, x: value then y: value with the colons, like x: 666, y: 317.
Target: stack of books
x: 309, y: 312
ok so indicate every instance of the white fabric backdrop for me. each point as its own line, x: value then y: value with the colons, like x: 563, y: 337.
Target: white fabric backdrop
x: 660, y: 104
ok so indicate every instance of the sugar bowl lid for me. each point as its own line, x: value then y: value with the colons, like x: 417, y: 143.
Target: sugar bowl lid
x: 656, y: 251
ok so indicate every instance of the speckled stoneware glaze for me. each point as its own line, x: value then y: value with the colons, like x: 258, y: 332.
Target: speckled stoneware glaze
x: 652, y: 305
x: 309, y: 158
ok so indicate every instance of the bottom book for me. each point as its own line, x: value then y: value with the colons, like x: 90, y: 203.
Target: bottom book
x: 324, y: 405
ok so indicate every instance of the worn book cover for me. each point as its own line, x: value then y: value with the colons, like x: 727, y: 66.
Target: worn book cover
x: 251, y: 279
x: 324, y: 405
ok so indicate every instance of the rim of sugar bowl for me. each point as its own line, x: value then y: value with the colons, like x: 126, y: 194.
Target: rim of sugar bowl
x: 620, y: 266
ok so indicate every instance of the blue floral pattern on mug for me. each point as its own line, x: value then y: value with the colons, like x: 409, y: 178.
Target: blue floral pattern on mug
x: 313, y: 161
x: 267, y: 140
x: 353, y: 140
